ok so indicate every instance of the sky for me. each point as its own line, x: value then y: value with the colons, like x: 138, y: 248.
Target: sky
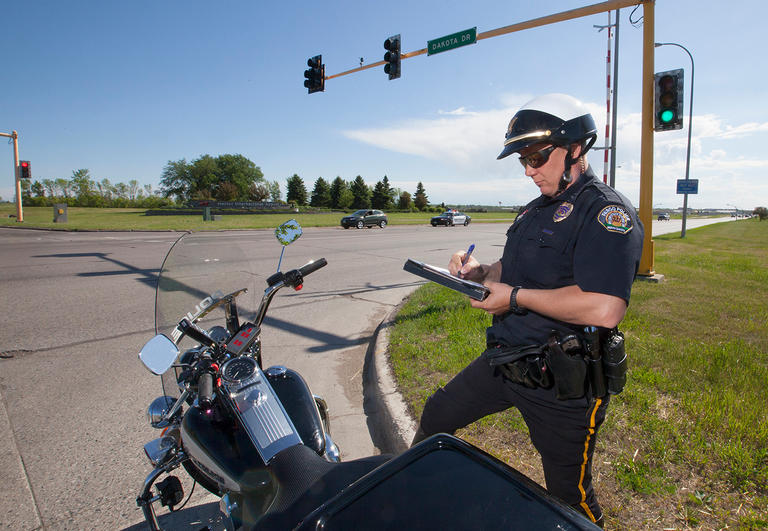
x: 122, y: 88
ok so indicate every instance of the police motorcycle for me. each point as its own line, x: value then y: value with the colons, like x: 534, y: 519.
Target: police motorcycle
x: 260, y: 440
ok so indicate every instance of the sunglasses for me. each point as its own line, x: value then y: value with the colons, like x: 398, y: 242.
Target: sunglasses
x: 537, y: 159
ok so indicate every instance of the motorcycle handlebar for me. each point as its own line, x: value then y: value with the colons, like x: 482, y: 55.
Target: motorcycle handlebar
x: 312, y: 266
x: 205, y: 390
x: 195, y: 332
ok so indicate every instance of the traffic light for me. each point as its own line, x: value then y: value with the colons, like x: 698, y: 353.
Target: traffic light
x: 668, y: 99
x: 25, y: 172
x: 392, y: 57
x: 315, y: 81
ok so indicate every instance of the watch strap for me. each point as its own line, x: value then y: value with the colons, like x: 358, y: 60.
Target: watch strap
x: 513, y: 306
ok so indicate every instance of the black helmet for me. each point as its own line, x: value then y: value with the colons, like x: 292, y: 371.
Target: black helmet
x: 556, y: 119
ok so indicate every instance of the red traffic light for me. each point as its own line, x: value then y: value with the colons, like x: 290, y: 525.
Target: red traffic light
x: 24, y: 169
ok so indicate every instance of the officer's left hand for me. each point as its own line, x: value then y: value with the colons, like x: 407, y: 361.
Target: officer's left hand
x: 497, y: 303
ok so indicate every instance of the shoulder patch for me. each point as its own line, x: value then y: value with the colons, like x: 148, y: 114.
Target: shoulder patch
x: 562, y: 212
x: 615, y: 218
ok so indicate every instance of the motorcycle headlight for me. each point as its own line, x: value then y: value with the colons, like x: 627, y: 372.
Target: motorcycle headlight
x: 157, y: 410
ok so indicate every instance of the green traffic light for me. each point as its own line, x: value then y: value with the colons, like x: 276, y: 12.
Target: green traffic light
x: 667, y: 116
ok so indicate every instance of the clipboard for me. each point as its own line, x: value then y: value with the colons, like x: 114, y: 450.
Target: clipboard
x: 443, y: 277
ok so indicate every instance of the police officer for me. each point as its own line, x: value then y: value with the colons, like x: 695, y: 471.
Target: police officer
x: 569, y: 262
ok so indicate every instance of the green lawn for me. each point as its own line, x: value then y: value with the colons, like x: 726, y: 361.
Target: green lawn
x: 686, y: 444
x: 136, y: 219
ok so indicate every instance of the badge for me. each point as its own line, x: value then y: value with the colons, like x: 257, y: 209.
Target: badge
x: 615, y: 219
x: 562, y: 212
x: 520, y: 215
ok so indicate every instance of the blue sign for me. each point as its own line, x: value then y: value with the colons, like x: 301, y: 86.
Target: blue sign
x: 687, y: 186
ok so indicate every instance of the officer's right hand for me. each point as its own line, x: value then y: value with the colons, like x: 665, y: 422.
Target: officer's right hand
x: 472, y: 270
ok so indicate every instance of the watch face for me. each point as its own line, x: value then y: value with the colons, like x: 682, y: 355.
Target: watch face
x: 239, y: 369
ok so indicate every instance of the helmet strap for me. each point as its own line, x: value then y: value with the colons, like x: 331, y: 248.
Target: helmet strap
x: 566, y: 179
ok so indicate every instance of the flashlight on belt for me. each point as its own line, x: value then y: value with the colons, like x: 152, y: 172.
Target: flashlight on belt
x: 594, y: 361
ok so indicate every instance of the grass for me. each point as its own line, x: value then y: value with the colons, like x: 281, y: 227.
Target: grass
x: 686, y: 444
x: 137, y: 220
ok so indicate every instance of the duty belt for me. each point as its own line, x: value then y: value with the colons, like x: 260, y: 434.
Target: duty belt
x: 559, y: 362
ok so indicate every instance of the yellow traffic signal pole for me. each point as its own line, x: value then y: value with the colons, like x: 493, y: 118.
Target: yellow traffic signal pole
x: 645, y: 209
x: 645, y: 269
x: 16, y: 173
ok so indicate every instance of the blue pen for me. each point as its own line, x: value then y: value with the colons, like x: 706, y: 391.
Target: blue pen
x: 467, y: 255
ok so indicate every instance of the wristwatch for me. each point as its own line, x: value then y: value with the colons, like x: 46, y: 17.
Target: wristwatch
x: 513, y: 307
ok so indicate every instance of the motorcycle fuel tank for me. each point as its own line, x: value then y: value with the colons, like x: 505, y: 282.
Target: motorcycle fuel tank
x: 222, y: 451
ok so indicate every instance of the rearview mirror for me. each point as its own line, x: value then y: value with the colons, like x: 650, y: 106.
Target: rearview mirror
x: 288, y: 232
x: 158, y: 354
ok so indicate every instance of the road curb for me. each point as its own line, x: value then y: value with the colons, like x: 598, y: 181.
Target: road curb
x: 397, y: 425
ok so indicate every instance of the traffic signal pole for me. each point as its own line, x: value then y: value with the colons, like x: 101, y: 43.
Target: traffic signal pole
x: 534, y: 23
x: 645, y: 207
x: 16, y: 173
x: 645, y: 269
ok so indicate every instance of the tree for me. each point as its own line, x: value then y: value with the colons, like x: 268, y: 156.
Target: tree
x: 321, y: 195
x: 25, y: 188
x: 64, y: 186
x: 239, y: 171
x: 404, y: 201
x: 81, y: 183
x: 133, y: 189
x: 50, y: 187
x: 38, y: 189
x: 390, y: 192
x: 121, y: 190
x: 297, y: 192
x: 361, y: 194
x: 383, y: 195
x: 420, y: 199
x: 176, y: 179
x: 105, y: 189
x: 206, y: 175
x: 226, y: 191
x: 274, y: 191
x: 259, y: 191
x: 761, y: 213
x: 338, y: 187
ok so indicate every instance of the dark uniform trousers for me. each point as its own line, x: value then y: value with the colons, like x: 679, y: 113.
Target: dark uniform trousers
x: 563, y: 431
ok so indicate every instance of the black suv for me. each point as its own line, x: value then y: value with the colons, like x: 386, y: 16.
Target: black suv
x: 365, y: 218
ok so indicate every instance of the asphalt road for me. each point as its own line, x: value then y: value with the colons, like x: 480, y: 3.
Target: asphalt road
x: 79, y: 306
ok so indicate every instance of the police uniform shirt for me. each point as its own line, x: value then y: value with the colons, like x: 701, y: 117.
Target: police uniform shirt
x: 589, y: 235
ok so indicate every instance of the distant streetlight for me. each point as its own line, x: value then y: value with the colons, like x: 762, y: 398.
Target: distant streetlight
x: 690, y: 127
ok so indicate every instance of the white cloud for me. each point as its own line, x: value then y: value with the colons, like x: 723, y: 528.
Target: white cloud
x: 464, y: 144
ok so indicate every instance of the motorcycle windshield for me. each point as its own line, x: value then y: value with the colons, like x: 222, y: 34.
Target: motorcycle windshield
x: 199, y: 270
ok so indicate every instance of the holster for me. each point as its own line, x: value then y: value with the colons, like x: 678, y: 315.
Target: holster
x: 569, y: 369
x: 523, y: 365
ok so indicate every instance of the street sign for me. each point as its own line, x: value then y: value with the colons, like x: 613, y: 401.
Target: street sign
x: 687, y: 186
x: 449, y: 42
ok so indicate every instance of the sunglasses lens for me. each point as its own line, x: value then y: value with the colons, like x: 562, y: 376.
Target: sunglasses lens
x: 537, y: 158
